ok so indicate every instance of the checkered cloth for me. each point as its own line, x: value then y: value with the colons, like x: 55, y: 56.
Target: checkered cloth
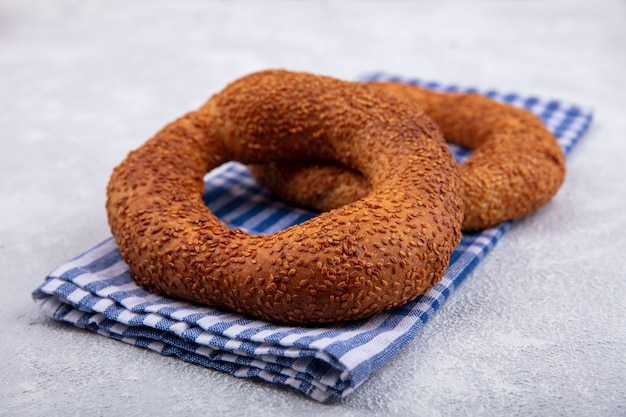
x: 94, y: 291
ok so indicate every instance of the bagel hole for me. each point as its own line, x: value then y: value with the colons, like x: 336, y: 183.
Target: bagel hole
x: 233, y: 195
x: 459, y: 153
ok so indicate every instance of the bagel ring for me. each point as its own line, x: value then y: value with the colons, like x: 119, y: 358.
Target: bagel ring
x: 515, y: 168
x: 373, y: 254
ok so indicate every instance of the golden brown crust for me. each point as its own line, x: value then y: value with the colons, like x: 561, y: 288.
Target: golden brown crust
x: 348, y: 263
x: 516, y: 167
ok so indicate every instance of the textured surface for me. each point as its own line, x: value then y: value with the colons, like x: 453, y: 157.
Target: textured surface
x: 537, y: 334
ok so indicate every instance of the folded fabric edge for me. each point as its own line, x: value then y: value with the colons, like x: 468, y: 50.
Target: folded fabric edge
x: 58, y: 292
x: 170, y: 345
x: 180, y: 321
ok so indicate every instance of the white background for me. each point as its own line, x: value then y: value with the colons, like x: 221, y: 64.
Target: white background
x: 83, y: 82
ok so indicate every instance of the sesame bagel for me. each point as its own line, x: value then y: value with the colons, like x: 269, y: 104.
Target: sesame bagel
x: 348, y: 263
x: 515, y: 168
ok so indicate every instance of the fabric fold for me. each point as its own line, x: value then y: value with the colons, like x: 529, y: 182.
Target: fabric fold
x: 94, y: 290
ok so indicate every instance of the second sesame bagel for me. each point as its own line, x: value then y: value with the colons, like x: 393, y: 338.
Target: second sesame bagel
x: 515, y: 168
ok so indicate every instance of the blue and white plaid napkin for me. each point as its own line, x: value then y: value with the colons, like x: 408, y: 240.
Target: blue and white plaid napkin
x: 94, y: 291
